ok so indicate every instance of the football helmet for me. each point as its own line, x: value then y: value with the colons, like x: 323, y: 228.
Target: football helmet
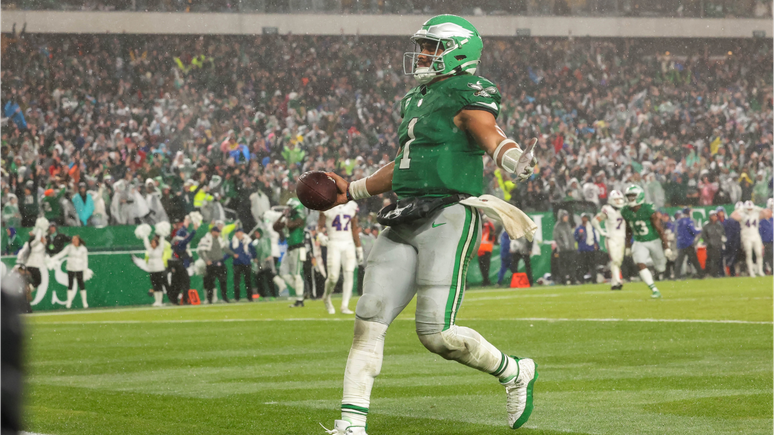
x: 294, y: 203
x: 457, y: 47
x: 739, y: 205
x: 616, y: 199
x: 749, y: 205
x: 770, y: 203
x: 634, y: 196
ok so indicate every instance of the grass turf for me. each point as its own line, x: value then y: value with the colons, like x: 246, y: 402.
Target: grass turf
x: 698, y: 361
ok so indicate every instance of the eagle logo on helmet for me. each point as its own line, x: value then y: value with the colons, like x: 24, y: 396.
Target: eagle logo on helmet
x: 481, y: 91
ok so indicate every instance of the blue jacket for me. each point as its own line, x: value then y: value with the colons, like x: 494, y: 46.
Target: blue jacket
x: 505, y: 245
x: 733, y: 238
x: 84, y: 209
x: 686, y: 233
x: 766, y: 228
x: 580, y: 237
x: 180, y: 245
x: 242, y: 251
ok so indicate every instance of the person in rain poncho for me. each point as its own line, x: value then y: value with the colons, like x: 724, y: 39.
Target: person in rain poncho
x: 153, y: 201
x: 11, y: 213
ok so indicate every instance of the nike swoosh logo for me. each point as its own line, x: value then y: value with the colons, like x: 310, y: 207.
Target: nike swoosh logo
x: 438, y: 225
x: 492, y: 105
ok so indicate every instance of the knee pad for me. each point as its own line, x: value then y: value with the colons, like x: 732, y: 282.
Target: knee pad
x: 369, y: 307
x: 443, y: 343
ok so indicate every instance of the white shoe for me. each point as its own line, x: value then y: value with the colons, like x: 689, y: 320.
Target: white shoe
x: 345, y: 310
x: 329, y: 305
x: 519, y: 393
x: 342, y: 427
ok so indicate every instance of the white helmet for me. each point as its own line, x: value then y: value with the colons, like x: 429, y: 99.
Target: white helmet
x: 770, y: 204
x: 749, y: 205
x: 739, y: 205
x: 616, y: 199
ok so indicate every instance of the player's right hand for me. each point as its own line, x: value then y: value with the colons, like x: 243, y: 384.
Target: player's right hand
x: 527, y: 162
x: 342, y: 186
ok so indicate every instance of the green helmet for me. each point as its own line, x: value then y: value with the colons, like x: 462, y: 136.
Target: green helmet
x: 457, y: 46
x: 295, y: 204
x: 634, y: 196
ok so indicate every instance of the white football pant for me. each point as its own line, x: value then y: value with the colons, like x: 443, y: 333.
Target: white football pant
x: 340, y: 255
x: 754, y: 244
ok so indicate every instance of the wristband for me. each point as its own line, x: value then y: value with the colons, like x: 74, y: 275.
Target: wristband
x: 349, y: 196
x: 357, y: 190
x: 500, y: 147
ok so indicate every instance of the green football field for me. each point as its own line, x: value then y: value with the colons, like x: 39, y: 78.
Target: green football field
x: 698, y: 361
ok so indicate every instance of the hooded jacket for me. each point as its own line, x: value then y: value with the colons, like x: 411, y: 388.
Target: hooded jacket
x: 563, y: 233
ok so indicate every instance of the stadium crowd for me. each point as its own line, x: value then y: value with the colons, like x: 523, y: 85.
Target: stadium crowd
x: 109, y: 129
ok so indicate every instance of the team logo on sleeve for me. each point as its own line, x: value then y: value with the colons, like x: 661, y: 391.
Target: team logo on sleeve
x: 481, y: 91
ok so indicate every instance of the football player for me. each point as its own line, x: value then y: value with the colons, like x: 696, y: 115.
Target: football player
x: 749, y: 217
x: 650, y: 240
x: 292, y: 268
x: 615, y: 235
x: 342, y: 235
x: 449, y: 123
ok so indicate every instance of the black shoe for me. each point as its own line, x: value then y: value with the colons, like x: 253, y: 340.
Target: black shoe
x: 617, y: 287
x: 297, y: 304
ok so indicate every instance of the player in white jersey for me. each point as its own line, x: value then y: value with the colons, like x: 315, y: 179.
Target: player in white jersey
x: 344, y: 251
x: 749, y: 216
x: 615, y: 235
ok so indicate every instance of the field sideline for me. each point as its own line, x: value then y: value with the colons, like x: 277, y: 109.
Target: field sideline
x: 698, y: 361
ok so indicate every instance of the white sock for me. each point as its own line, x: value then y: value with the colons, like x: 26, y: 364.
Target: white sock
x: 299, y: 287
x: 346, y: 292
x: 647, y: 278
x: 330, y: 285
x: 83, y: 299
x: 363, y: 366
x: 70, y: 297
x: 615, y: 274
x: 158, y: 296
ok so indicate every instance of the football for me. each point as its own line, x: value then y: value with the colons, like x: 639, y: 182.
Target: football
x: 316, y: 190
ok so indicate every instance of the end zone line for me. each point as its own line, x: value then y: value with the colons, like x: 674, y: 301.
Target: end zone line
x: 351, y: 319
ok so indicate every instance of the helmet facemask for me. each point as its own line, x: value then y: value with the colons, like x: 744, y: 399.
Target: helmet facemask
x: 437, y: 66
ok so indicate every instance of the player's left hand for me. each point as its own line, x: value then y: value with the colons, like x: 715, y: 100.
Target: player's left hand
x: 527, y: 162
x: 667, y: 252
x: 359, y: 255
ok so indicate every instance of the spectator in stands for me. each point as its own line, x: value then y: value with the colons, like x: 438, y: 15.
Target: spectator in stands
x: 733, y: 240
x: 588, y: 244
x: 77, y: 257
x: 212, y: 250
x: 240, y: 250
x: 521, y: 250
x: 84, y: 204
x: 55, y: 241
x: 564, y: 239
x: 505, y: 256
x: 11, y: 214
x: 766, y: 229
x: 687, y: 235
x: 485, y: 249
x: 713, y: 234
x: 154, y: 253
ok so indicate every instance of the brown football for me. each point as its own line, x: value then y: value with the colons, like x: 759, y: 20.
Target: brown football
x: 316, y: 190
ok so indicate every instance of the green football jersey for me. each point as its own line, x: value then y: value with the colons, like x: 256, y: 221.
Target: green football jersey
x: 640, y: 223
x: 296, y: 235
x: 436, y: 157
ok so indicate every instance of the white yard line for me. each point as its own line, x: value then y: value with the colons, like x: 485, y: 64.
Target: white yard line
x: 350, y: 319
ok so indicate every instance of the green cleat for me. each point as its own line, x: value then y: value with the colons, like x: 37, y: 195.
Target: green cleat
x: 656, y: 294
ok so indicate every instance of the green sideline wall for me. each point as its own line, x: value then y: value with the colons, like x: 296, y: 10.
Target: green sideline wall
x: 117, y: 281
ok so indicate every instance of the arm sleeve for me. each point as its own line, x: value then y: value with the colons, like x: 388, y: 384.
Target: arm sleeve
x: 62, y: 253
x: 86, y: 260
x: 146, y: 243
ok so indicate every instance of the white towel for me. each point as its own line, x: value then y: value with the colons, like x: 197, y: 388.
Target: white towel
x: 516, y: 223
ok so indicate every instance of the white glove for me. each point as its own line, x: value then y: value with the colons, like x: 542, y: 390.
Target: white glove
x: 359, y: 255
x: 323, y: 239
x: 628, y: 252
x: 723, y: 239
x: 527, y: 162
x: 668, y: 252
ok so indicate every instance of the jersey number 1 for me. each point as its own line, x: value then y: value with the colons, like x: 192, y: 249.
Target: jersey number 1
x: 405, y: 161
